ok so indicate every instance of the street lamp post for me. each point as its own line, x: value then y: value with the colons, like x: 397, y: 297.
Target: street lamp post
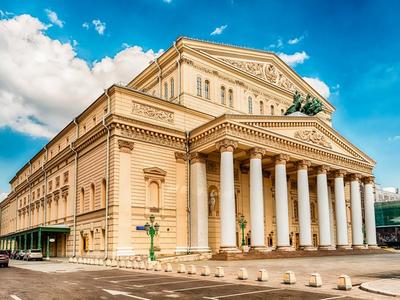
x: 242, y: 223
x: 152, y: 231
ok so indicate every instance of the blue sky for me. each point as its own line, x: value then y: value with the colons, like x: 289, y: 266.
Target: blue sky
x: 350, y: 48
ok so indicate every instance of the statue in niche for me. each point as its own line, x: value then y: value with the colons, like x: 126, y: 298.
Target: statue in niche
x: 212, y: 201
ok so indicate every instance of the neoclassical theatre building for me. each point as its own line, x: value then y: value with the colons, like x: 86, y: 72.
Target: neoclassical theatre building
x: 198, y: 139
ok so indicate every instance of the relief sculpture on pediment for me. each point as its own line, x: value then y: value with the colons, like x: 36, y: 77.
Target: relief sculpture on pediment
x: 313, y: 136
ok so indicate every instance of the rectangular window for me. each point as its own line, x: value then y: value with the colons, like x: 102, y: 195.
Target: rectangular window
x: 57, y: 182
x: 66, y: 177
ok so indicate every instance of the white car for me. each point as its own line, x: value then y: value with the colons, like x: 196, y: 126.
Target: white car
x: 33, y: 254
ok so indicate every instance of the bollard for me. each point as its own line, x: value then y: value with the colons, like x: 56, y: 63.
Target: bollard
x: 344, y: 283
x: 315, y: 280
x: 289, y: 277
x: 108, y: 262
x: 70, y: 260
x: 157, y: 266
x: 242, y: 274
x: 219, y: 272
x: 135, y: 264
x: 122, y: 264
x: 262, y: 275
x: 142, y: 266
x: 129, y: 264
x: 181, y: 268
x: 100, y: 262
x: 205, y: 271
x: 114, y: 263
x: 74, y: 260
x: 191, y: 270
x: 168, y: 267
x: 149, y: 265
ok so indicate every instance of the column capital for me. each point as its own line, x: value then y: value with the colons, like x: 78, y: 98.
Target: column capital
x: 323, y: 169
x: 256, y: 152
x: 369, y: 180
x: 197, y: 157
x: 339, y: 173
x: 355, y: 177
x: 226, y: 145
x: 181, y: 157
x: 281, y: 159
x: 303, y: 164
x: 125, y: 146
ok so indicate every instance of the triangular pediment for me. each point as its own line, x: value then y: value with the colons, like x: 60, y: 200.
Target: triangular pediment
x: 263, y: 65
x: 308, y: 130
x: 154, y: 171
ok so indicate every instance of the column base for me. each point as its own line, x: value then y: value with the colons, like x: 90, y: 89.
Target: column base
x: 343, y: 247
x: 200, y: 250
x: 229, y: 250
x: 125, y: 251
x: 284, y: 248
x: 181, y: 250
x: 358, y: 247
x: 326, y: 248
x: 308, y: 248
x: 260, y: 249
x: 372, y: 247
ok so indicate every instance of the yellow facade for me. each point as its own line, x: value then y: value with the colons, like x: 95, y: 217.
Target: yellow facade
x: 128, y: 155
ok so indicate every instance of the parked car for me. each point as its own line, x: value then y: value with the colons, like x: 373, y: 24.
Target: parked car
x: 33, y: 254
x: 4, y: 258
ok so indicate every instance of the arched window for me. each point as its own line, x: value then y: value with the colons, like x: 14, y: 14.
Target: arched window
x: 165, y: 91
x: 230, y: 97
x: 154, y: 195
x: 199, y: 86
x: 103, y: 193
x: 250, y: 105
x: 261, y: 108
x: 92, y: 191
x: 223, y: 95
x: 82, y: 200
x: 172, y: 88
x: 272, y: 110
x: 207, y: 89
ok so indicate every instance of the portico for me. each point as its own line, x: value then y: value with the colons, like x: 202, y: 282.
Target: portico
x: 294, y: 180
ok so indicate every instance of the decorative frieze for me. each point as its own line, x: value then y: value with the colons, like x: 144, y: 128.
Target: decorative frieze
x: 152, y: 112
x: 313, y: 136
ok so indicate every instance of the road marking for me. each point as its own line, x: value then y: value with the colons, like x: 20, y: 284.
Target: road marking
x: 125, y: 280
x: 336, y: 297
x: 15, y: 297
x: 241, y: 294
x: 199, y: 287
x: 109, y: 277
x: 163, y: 283
x: 126, y: 294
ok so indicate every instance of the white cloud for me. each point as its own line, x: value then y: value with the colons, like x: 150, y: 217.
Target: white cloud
x: 99, y: 26
x: 394, y: 138
x: 219, y: 30
x: 125, y: 45
x: 3, y: 196
x: 54, y: 18
x: 44, y: 84
x: 296, y: 40
x: 278, y: 44
x: 294, y: 59
x: 74, y: 43
x: 85, y: 25
x: 320, y: 86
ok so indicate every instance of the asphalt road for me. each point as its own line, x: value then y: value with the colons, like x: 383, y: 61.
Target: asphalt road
x: 17, y: 283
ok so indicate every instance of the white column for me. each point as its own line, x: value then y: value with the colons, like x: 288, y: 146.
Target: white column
x: 198, y: 204
x: 304, y: 205
x: 124, y: 227
x: 323, y: 209
x: 369, y: 212
x: 356, y: 213
x: 342, y: 240
x: 257, y: 200
x: 281, y: 204
x: 228, y: 209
